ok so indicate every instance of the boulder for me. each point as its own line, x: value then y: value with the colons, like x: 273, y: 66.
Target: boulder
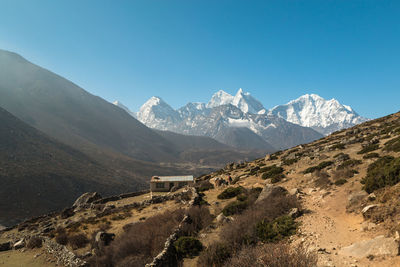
x: 270, y: 191
x: 221, y: 218
x: 366, y: 211
x: 379, y: 246
x: 19, y: 244
x: 85, y: 199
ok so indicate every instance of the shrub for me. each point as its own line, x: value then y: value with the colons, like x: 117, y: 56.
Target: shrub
x: 274, y: 255
x: 200, y: 217
x: 62, y: 239
x: 242, y: 197
x: 279, y: 228
x: 230, y: 192
x: 78, y: 241
x: 385, y: 171
x: 393, y: 145
x: 340, y: 181
x: 371, y: 155
x: 290, y: 161
x: 234, y: 208
x: 349, y: 163
x: 187, y: 246
x: 34, y: 242
x: 342, y: 156
x: 215, y: 255
x: 320, y: 166
x: 368, y: 148
x: 272, y: 171
x: 337, y: 146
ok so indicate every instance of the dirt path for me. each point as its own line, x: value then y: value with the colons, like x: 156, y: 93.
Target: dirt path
x: 328, y: 228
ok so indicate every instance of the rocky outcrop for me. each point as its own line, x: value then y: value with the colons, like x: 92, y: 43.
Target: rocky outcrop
x: 379, y: 246
x: 86, y: 199
x: 271, y: 191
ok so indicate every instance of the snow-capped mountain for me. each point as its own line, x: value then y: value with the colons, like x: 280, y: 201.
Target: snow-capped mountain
x: 324, y: 116
x: 244, y: 101
x: 119, y: 104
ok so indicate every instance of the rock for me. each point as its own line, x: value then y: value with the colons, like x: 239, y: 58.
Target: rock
x: 367, y: 226
x: 271, y: 191
x: 379, y: 246
x: 5, y: 246
x: 371, y: 197
x: 19, y: 244
x: 104, y: 238
x: 294, y: 191
x: 221, y: 218
x: 355, y: 199
x: 295, y: 213
x: 366, y: 211
x: 85, y: 199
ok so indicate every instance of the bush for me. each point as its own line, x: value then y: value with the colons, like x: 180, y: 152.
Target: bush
x: 272, y: 172
x: 234, y: 208
x: 385, y: 171
x: 231, y: 192
x: 200, y: 217
x: 337, y: 146
x: 349, y: 163
x: 371, y: 155
x: 279, y: 228
x: 290, y: 161
x: 34, y: 242
x: 204, y: 186
x: 62, y: 239
x: 393, y: 145
x: 320, y: 166
x: 368, y: 148
x: 340, y: 182
x: 188, y: 247
x: 273, y: 255
x: 78, y: 241
x: 215, y: 255
x: 342, y: 156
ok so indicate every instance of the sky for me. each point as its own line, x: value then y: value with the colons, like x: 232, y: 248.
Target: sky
x: 184, y: 51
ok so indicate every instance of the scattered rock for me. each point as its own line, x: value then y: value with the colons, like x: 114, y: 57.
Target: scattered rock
x: 371, y: 197
x: 378, y: 246
x: 366, y: 211
x: 221, y: 218
x: 19, y: 244
x: 85, y: 199
x: 270, y: 191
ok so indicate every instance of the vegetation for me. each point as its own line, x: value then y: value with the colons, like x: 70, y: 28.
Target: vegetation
x: 337, y: 146
x: 368, y: 148
x: 393, y: 145
x: 385, y: 171
x: 204, y: 186
x: 320, y: 166
x: 34, y: 242
x: 78, y: 241
x: 340, y: 181
x: 272, y: 172
x: 187, y: 246
x: 279, y: 228
x: 349, y: 163
x: 371, y: 155
x: 215, y: 255
x: 235, y: 208
x: 231, y: 192
x: 290, y: 161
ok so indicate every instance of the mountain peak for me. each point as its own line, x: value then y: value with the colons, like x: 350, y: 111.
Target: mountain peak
x: 119, y: 104
x: 220, y: 98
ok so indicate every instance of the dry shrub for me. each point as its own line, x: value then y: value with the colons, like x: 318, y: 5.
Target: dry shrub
x: 200, y: 218
x: 62, y: 239
x: 322, y: 178
x: 342, y: 174
x: 241, y: 230
x: 78, y: 241
x: 34, y: 242
x: 273, y: 255
x: 141, y: 242
x: 215, y: 255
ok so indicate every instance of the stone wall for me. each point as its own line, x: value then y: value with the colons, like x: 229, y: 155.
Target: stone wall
x: 62, y: 254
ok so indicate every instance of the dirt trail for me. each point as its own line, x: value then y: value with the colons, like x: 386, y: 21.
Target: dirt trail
x: 328, y: 228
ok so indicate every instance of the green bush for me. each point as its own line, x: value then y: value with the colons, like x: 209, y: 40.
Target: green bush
x: 340, y: 181
x: 242, y: 197
x: 342, y: 155
x: 393, y: 145
x: 368, y: 148
x: 371, y: 155
x: 235, y: 208
x: 215, y: 255
x: 349, y: 163
x: 290, y: 161
x: 188, y: 247
x: 337, y: 146
x: 231, y: 192
x: 275, y: 230
x: 272, y: 171
x: 385, y: 171
x: 204, y: 186
x: 319, y: 167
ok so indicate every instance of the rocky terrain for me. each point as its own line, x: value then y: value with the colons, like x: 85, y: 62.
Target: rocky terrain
x: 332, y: 202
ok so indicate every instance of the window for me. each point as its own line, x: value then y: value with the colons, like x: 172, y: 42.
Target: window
x: 159, y: 185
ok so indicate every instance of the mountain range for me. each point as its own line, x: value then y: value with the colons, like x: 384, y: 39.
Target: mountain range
x: 242, y: 121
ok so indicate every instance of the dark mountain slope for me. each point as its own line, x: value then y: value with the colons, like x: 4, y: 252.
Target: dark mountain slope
x: 64, y: 111
x: 39, y: 174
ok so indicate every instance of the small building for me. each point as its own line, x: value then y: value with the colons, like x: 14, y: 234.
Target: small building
x: 165, y: 183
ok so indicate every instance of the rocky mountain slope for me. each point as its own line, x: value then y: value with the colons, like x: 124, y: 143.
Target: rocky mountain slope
x: 324, y: 116
x: 332, y: 202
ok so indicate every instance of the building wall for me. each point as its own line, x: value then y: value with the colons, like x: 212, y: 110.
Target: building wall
x: 168, y: 185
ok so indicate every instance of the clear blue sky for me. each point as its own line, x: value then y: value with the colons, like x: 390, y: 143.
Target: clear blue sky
x: 186, y: 50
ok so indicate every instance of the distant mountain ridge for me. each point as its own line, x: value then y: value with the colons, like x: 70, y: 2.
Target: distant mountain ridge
x: 225, y: 112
